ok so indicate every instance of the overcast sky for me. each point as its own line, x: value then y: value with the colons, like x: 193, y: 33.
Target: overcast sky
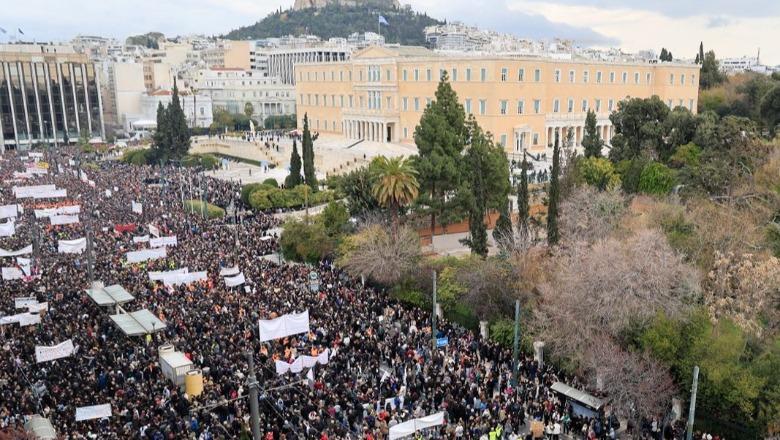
x: 731, y: 28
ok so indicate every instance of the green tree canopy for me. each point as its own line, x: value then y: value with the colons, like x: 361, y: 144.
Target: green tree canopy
x: 591, y: 141
x: 638, y: 126
x: 440, y: 138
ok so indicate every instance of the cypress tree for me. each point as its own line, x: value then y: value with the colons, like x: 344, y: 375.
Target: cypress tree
x: 308, y: 155
x: 523, y: 208
x: 440, y: 137
x: 700, y: 57
x: 162, y: 134
x: 177, y: 124
x: 592, y: 142
x: 554, y: 195
x: 502, y: 233
x: 294, y: 179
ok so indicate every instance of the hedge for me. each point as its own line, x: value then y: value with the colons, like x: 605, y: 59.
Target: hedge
x: 196, y: 207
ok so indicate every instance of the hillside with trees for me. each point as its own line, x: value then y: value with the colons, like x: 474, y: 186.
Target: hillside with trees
x: 405, y: 26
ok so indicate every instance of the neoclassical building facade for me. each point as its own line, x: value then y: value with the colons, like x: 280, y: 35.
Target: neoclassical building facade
x: 381, y: 92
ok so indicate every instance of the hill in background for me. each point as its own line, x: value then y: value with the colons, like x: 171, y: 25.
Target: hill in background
x: 405, y: 26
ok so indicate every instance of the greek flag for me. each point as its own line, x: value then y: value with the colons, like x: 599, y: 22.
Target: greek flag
x: 20, y: 31
x: 383, y: 21
x: 3, y: 30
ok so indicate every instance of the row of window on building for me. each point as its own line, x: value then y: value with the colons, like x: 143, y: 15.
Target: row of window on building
x: 374, y: 74
x: 505, y: 106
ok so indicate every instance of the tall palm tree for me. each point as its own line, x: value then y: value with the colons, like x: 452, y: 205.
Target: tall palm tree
x: 395, y: 184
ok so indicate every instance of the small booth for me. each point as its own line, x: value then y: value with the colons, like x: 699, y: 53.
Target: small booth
x: 174, y: 364
x: 138, y: 323
x: 582, y: 403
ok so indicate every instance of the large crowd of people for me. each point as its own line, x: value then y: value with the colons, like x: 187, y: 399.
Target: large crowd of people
x: 382, y: 368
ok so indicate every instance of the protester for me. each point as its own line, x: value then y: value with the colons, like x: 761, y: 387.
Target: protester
x: 382, y: 368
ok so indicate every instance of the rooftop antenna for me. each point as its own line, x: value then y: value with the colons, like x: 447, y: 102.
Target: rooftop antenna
x: 758, y: 56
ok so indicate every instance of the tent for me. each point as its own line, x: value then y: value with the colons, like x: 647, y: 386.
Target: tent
x: 583, y: 404
x: 138, y: 323
x: 109, y: 296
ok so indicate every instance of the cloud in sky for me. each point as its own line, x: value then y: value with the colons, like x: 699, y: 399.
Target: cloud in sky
x: 631, y: 24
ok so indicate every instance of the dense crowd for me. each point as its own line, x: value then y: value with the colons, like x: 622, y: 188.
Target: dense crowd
x: 382, y: 369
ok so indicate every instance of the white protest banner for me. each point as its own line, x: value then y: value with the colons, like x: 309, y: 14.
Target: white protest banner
x: 12, y: 273
x: 38, y: 307
x: 9, y: 211
x: 35, y: 154
x: 141, y: 239
x: 24, y: 302
x: 411, y: 426
x: 8, y: 228
x: 59, y: 351
x: 64, y: 219
x: 26, y: 319
x: 76, y: 246
x: 24, y: 251
x: 163, y: 241
x: 52, y: 194
x: 21, y: 192
x: 93, y: 412
x: 235, y: 281
x: 153, y: 230
x: 61, y: 210
x: 146, y: 254
x: 302, y: 362
x: 83, y: 176
x: 137, y: 207
x: 36, y: 171
x: 108, y: 193
x: 229, y: 271
x: 184, y: 278
x: 285, y: 325
x: 158, y: 276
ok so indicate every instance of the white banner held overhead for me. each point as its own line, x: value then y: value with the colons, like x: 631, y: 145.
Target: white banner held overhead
x: 59, y: 351
x: 159, y: 276
x: 24, y: 251
x: 9, y: 211
x: 93, y: 412
x: 137, y: 207
x: 141, y: 239
x: 38, y: 307
x: 411, y: 426
x: 302, y: 362
x: 53, y: 194
x: 76, y: 246
x: 26, y: 319
x: 235, y: 281
x: 229, y: 271
x: 63, y: 219
x: 12, y: 273
x: 8, y: 228
x: 163, y: 241
x: 146, y: 254
x: 24, y: 302
x: 283, y: 326
x: 154, y: 230
x: 22, y: 192
x: 61, y: 210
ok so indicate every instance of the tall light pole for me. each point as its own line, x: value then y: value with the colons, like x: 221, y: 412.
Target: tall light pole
x: 692, y: 409
x: 254, y: 408
x: 433, y: 316
x: 516, y: 345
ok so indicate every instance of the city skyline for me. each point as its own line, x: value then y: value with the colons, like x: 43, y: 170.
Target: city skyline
x: 631, y: 25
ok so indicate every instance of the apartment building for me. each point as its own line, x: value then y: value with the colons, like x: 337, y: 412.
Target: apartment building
x: 48, y: 93
x: 381, y: 92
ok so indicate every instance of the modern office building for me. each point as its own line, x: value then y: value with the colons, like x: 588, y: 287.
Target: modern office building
x: 47, y: 93
x: 381, y: 93
x: 231, y: 89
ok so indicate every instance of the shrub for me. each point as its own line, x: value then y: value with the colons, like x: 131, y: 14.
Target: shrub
x: 598, y: 172
x: 196, y: 207
x: 304, y: 242
x: 656, y: 179
x: 138, y: 157
x: 271, y: 182
x: 630, y: 172
x: 686, y: 155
